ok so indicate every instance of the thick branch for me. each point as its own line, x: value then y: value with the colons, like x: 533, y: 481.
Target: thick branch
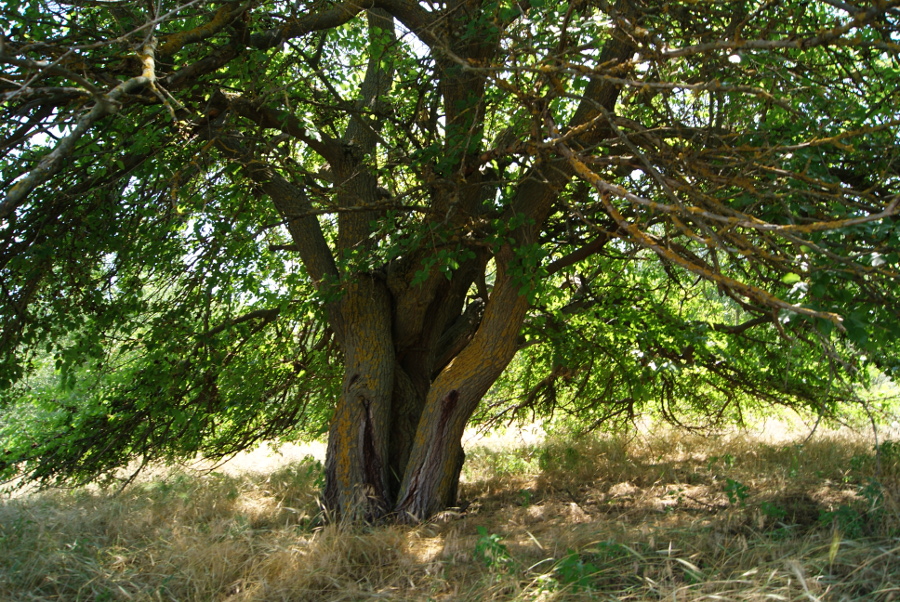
x: 418, y: 21
x: 579, y: 254
x: 458, y: 389
x: 221, y: 19
x: 266, y: 315
x: 536, y: 195
x: 327, y: 19
x: 356, y: 184
x: 267, y: 117
x: 460, y: 333
x: 742, y: 327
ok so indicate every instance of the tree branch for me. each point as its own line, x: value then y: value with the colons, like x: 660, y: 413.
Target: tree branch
x: 744, y: 326
x: 418, y: 21
x: 267, y: 117
x: 327, y: 19
x: 266, y: 315
x: 356, y: 185
x: 226, y: 13
x: 106, y: 104
x: 579, y: 254
x: 605, y: 190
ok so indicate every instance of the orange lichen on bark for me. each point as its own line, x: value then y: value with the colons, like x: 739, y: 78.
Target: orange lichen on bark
x: 358, y: 438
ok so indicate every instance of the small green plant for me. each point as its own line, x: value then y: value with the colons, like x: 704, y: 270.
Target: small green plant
x: 525, y: 497
x: 846, y: 519
x: 607, y: 551
x: 490, y: 550
x: 574, y: 571
x: 887, y: 454
x: 240, y: 526
x: 545, y: 459
x: 856, y: 520
x: 873, y: 493
x: 888, y: 451
x: 677, y: 493
x: 736, y: 491
x: 571, y: 458
x: 773, y: 511
x: 858, y: 463
x: 774, y: 519
x: 727, y: 461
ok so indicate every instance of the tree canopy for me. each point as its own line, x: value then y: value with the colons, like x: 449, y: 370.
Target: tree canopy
x: 230, y: 221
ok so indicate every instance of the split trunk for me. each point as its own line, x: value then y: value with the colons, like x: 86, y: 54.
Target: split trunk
x: 409, y: 389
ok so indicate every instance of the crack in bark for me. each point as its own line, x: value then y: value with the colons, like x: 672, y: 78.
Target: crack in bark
x: 421, y: 491
x: 372, y: 461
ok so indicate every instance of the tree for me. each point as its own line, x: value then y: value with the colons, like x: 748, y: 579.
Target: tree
x: 226, y: 221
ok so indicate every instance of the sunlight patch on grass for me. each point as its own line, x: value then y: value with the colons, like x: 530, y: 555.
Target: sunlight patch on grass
x: 665, y: 515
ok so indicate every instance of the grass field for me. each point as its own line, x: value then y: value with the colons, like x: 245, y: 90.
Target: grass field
x: 668, y: 516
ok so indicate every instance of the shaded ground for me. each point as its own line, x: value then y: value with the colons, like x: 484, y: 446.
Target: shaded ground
x: 667, y: 516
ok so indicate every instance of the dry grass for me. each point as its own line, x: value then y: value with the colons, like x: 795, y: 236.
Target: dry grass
x: 662, y: 517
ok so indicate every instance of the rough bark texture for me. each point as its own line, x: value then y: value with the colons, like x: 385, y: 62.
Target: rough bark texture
x: 394, y: 445
x: 433, y: 471
x: 357, y: 458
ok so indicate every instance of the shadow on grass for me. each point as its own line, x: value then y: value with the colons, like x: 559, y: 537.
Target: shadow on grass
x: 670, y: 516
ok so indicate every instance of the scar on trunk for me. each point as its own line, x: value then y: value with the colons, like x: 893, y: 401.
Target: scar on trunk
x: 448, y: 404
x: 419, y: 490
x: 371, y: 458
x: 370, y: 455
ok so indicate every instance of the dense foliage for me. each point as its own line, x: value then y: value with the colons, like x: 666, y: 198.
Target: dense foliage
x: 230, y: 221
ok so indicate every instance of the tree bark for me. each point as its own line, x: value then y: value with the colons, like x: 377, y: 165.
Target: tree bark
x: 432, y: 474
x: 356, y: 468
x: 394, y: 444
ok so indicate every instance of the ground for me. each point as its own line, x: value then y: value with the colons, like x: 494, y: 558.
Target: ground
x: 657, y: 514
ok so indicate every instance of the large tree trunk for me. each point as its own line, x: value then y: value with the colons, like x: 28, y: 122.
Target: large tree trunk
x: 395, y: 440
